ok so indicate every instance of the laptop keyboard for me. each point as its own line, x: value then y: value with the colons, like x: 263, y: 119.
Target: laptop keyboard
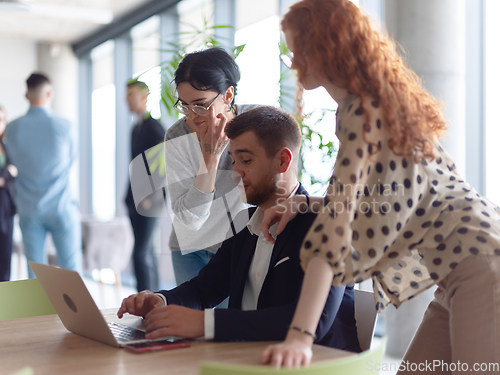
x: 125, y: 333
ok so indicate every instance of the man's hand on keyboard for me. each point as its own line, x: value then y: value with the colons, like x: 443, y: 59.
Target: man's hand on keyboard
x: 140, y: 304
x: 175, y: 320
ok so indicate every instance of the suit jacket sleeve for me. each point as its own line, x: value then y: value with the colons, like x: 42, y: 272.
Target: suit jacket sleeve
x: 210, y: 287
x: 270, y: 324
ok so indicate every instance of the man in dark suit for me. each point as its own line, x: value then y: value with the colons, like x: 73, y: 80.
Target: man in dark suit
x: 262, y: 280
x: 147, y: 133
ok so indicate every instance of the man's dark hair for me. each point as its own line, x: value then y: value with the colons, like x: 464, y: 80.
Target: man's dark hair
x: 139, y: 84
x: 273, y: 127
x: 36, y: 80
x: 210, y: 69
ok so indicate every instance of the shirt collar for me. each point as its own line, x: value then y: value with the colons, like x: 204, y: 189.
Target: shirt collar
x: 255, y: 221
x: 143, y: 116
x: 39, y: 109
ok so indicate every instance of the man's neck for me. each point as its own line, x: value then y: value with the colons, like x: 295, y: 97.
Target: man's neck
x: 141, y: 113
x: 39, y: 105
x: 281, y: 194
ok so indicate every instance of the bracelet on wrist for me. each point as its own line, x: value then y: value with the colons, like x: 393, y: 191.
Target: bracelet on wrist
x: 313, y: 335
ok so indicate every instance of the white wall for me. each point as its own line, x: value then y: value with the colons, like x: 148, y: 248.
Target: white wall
x: 59, y: 63
x: 18, y: 60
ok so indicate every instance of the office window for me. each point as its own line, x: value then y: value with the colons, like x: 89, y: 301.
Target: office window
x: 192, y: 16
x: 146, y: 60
x: 257, y: 26
x: 320, y: 106
x: 103, y: 132
x: 492, y: 98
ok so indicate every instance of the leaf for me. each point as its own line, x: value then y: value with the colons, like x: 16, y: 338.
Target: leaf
x: 237, y: 50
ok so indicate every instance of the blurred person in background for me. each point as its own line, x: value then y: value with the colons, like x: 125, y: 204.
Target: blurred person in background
x: 8, y: 173
x: 42, y: 147
x: 146, y: 134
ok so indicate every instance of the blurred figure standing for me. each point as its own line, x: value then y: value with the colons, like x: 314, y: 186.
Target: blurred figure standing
x: 8, y: 173
x: 147, y: 133
x: 42, y: 146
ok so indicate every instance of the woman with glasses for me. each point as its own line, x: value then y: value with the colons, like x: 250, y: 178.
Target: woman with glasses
x: 396, y: 209
x: 203, y: 198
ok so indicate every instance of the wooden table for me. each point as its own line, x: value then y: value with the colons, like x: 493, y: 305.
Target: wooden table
x: 44, y: 344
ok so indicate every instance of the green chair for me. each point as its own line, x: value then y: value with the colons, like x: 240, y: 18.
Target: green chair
x: 368, y: 362
x: 24, y: 371
x: 22, y: 299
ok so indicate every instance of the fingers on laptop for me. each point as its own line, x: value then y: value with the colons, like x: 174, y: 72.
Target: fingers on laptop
x: 138, y: 304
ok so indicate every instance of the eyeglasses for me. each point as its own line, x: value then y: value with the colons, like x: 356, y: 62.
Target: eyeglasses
x: 198, y: 109
x: 287, y: 59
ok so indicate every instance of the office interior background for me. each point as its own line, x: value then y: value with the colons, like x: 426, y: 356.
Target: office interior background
x: 90, y: 49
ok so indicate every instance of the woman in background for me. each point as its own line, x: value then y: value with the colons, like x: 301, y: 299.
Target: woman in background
x: 396, y: 210
x: 8, y: 173
x: 199, y: 170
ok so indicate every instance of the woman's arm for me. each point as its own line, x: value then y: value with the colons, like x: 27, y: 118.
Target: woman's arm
x: 296, y: 350
x: 191, y: 172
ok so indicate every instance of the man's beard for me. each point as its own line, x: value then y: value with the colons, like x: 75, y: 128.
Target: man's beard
x: 263, y: 191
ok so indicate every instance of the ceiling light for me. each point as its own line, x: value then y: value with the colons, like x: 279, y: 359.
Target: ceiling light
x: 68, y: 12
x: 94, y: 15
x: 14, y: 5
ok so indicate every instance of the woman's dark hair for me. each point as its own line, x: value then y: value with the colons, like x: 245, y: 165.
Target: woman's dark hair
x: 211, y: 69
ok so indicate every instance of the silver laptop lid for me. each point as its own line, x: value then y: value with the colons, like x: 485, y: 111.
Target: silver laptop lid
x: 73, y: 303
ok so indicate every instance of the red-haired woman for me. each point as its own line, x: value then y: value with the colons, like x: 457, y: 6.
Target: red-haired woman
x: 396, y: 210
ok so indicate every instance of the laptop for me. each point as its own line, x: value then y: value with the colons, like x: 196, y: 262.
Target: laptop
x: 79, y: 313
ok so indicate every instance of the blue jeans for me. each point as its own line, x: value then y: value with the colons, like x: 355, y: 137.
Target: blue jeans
x: 187, y: 266
x: 66, y: 232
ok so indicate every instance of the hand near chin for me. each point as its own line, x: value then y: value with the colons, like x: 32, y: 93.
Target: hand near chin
x: 174, y: 320
x: 213, y: 139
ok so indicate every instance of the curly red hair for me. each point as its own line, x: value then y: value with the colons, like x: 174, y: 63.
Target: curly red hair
x: 342, y: 43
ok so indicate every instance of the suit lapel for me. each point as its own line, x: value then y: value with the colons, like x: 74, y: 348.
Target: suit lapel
x: 280, y: 244
x: 282, y: 239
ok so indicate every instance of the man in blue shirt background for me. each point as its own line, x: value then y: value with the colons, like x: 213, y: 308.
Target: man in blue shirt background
x: 42, y: 147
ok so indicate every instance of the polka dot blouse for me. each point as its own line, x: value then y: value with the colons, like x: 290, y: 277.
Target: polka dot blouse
x: 404, y: 224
